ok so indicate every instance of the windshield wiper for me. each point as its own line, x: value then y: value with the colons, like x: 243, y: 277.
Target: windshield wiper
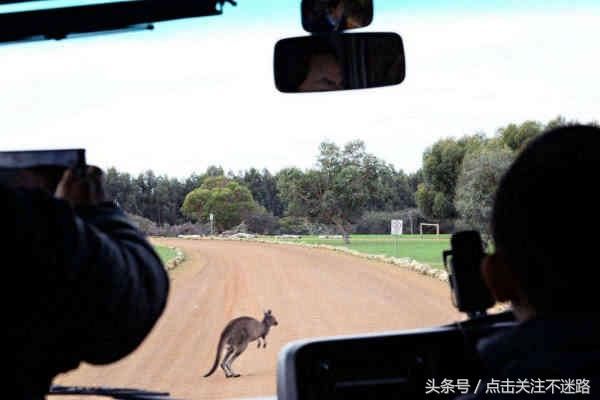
x: 115, y: 393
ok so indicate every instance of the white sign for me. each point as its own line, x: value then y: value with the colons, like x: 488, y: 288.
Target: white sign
x: 396, y: 227
x: 211, y: 216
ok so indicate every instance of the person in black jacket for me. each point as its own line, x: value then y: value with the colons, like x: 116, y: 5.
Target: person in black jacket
x: 81, y: 283
x: 544, y: 225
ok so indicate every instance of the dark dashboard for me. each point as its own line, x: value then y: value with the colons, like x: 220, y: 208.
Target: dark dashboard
x: 387, y: 365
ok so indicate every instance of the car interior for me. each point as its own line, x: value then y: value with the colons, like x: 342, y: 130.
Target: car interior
x: 330, y: 57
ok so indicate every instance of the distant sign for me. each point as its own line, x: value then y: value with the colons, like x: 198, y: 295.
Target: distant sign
x: 211, y: 216
x: 396, y: 227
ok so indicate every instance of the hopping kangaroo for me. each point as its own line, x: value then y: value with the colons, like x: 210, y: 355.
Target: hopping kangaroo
x: 236, y: 335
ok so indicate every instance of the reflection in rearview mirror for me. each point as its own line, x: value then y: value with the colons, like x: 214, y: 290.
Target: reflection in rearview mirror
x: 330, y: 62
x: 336, y: 15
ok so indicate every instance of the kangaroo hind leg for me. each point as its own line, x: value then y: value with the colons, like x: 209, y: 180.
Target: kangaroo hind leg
x: 239, y: 350
x: 224, y: 365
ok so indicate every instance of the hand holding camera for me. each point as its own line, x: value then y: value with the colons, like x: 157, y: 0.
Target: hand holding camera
x: 463, y: 263
x: 82, y: 189
x: 62, y: 173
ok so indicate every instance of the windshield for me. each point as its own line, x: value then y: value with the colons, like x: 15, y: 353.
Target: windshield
x: 196, y: 141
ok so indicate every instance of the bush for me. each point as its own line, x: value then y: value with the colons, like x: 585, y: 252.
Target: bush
x: 143, y: 224
x: 378, y: 222
x: 241, y: 228
x: 262, y: 222
x: 321, y: 229
x: 187, y: 228
x: 150, y: 228
x: 302, y: 226
x: 293, y: 226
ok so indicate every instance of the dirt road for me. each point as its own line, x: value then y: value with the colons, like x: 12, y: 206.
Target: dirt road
x: 312, y: 293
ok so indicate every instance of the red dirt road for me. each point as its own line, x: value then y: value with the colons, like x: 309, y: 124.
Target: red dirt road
x: 312, y: 293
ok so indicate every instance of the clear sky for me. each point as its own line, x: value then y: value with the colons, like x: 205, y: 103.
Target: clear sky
x: 199, y: 92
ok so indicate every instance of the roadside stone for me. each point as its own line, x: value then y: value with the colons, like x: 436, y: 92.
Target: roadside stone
x: 175, y: 261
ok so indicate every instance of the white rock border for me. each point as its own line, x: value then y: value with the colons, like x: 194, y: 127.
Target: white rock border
x: 175, y: 261
x: 407, y: 263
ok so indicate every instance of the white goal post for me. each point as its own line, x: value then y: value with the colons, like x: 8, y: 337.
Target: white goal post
x: 437, y: 228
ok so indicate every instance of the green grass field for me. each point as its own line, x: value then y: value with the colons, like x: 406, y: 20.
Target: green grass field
x: 426, y: 250
x: 165, y: 253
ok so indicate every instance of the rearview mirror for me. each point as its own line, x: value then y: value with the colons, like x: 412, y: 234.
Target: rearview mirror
x: 329, y: 62
x: 336, y: 15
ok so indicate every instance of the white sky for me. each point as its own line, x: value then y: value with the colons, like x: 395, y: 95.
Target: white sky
x: 177, y: 100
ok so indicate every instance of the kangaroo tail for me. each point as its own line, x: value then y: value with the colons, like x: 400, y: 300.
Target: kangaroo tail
x: 219, y: 351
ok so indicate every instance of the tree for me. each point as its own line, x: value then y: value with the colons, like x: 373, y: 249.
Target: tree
x: 272, y: 199
x: 403, y: 195
x: 441, y: 167
x: 263, y: 186
x: 515, y: 137
x: 424, y: 198
x: 167, y: 198
x: 302, y: 191
x: 119, y: 186
x: 213, y: 170
x: 192, y: 182
x: 557, y: 122
x: 229, y: 201
x: 339, y: 189
x: 414, y: 180
x: 479, y: 178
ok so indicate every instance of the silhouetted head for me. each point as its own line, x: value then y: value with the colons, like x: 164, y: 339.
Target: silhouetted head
x: 310, y: 65
x: 544, y: 221
x: 269, y: 319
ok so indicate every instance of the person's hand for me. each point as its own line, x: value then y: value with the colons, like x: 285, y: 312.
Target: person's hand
x: 82, y: 191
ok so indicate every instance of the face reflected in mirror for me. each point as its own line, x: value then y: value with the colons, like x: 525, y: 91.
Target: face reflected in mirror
x: 324, y: 74
x: 335, y: 15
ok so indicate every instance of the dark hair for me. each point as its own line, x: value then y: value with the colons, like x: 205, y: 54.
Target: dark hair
x: 552, y: 180
x: 318, y: 6
x: 291, y: 68
x: 293, y: 59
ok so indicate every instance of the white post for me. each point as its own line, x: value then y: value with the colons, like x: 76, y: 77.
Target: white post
x: 396, y: 230
x: 212, y: 218
x: 396, y: 227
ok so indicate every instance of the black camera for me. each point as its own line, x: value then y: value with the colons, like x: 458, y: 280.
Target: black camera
x: 42, y: 169
x: 463, y: 264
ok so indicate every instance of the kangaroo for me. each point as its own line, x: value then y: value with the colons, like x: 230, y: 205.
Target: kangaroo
x: 236, y: 335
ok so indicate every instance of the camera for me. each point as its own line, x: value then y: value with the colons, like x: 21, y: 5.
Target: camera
x: 463, y: 264
x: 40, y: 169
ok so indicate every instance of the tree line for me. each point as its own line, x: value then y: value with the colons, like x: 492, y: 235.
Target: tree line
x: 348, y: 189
